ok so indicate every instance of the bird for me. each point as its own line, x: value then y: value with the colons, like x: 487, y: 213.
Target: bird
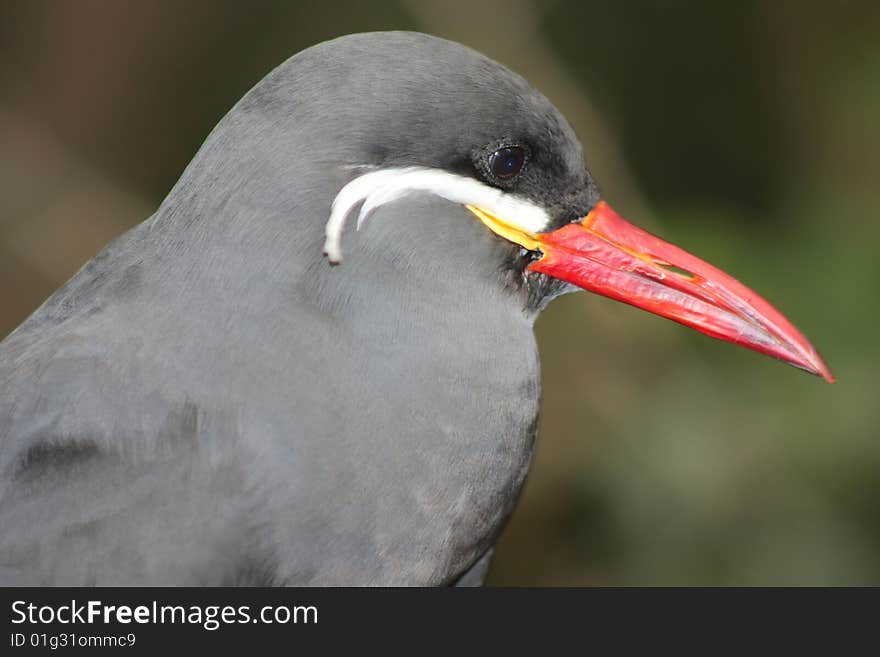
x: 315, y: 363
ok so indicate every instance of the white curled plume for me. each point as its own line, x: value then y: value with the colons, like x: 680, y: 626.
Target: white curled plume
x: 377, y: 188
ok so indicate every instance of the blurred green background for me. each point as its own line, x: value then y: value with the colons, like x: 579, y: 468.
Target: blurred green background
x: 747, y: 132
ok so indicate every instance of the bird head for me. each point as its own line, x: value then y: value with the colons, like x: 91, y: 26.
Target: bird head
x: 400, y: 117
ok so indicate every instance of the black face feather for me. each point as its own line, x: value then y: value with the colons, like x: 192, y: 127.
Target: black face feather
x: 535, y: 288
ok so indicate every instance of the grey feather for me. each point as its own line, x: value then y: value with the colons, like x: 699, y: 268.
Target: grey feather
x: 209, y: 402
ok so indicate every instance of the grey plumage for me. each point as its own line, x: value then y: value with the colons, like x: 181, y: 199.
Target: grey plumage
x: 209, y: 402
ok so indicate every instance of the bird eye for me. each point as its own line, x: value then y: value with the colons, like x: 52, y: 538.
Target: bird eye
x: 506, y: 162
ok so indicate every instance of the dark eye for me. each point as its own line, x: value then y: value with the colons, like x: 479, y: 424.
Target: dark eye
x: 506, y: 162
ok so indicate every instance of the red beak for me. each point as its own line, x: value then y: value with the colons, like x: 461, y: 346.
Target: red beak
x: 608, y: 255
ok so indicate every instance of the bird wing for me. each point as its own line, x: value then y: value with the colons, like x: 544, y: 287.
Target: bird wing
x: 101, y: 476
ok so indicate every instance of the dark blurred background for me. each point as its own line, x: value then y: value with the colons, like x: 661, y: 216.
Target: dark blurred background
x: 747, y: 132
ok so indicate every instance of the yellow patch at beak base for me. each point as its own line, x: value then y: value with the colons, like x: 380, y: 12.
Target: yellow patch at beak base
x: 505, y: 230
